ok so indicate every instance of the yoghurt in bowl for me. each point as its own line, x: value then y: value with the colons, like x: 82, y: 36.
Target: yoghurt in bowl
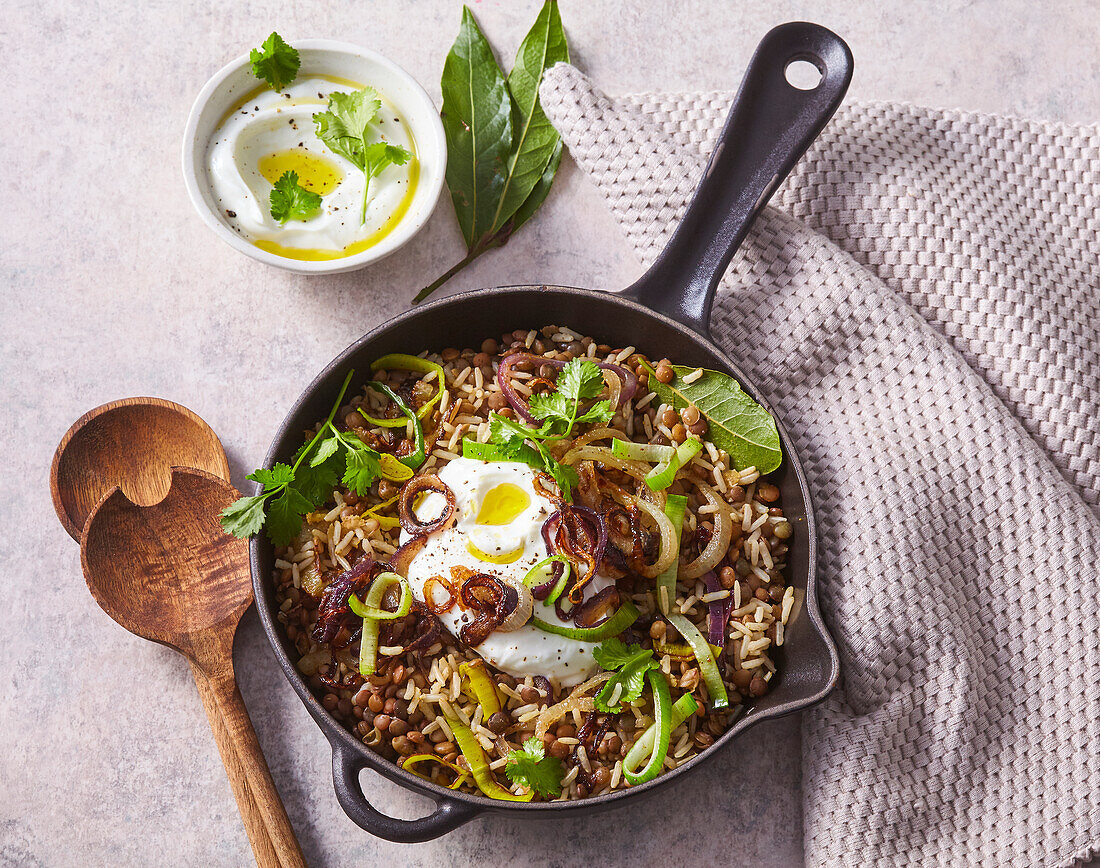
x: 243, y: 136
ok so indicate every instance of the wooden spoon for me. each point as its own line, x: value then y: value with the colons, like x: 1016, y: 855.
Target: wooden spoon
x: 132, y: 443
x: 168, y: 572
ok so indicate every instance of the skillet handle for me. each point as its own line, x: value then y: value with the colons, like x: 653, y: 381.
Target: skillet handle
x: 448, y: 815
x: 770, y: 125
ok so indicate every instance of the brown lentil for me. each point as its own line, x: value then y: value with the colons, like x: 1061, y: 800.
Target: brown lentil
x: 767, y: 492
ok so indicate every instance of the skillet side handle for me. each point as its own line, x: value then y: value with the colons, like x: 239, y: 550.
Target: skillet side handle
x: 447, y: 816
x: 770, y: 125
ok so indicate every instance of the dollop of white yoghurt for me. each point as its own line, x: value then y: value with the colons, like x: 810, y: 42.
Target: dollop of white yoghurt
x: 528, y: 650
x: 272, y: 123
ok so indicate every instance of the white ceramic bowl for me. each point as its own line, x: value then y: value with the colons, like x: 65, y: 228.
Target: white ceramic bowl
x: 320, y: 57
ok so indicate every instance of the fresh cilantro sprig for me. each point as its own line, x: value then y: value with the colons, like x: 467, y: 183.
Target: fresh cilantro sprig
x: 275, y: 62
x: 291, y: 201
x: 532, y: 768
x: 345, y: 128
x: 632, y: 663
x: 292, y: 490
x: 511, y: 437
x: 558, y: 412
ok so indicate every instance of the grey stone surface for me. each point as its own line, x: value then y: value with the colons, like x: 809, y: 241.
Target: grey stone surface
x: 113, y: 287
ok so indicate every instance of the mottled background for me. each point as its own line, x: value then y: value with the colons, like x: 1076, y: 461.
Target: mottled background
x: 113, y: 287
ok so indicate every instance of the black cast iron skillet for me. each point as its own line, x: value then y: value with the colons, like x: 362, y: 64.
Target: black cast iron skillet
x: 665, y: 314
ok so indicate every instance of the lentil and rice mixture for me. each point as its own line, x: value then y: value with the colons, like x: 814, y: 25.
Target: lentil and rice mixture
x: 409, y: 706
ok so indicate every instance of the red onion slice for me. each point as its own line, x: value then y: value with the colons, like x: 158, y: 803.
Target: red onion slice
x: 426, y: 630
x: 415, y: 486
x: 400, y: 560
x: 504, y: 380
x: 597, y: 608
x: 718, y: 611
x: 488, y: 596
x: 333, y: 611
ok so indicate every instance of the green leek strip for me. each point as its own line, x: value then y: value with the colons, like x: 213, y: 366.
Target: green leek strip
x: 417, y: 456
x: 682, y: 709
x: 537, y: 576
x: 371, y: 611
x: 626, y: 615
x: 387, y: 522
x: 663, y: 475
x: 460, y: 774
x: 482, y: 685
x: 523, y: 454
x: 393, y: 469
x: 479, y: 768
x: 677, y: 650
x: 402, y: 362
x: 675, y: 505
x: 652, y: 452
x: 719, y: 699
x: 662, y: 729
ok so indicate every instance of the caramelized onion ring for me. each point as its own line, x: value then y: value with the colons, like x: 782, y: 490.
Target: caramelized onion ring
x: 333, y: 611
x: 486, y: 595
x: 521, y: 609
x: 429, y: 595
x: 597, y: 608
x: 576, y: 699
x: 426, y: 630
x: 719, y: 540
x: 415, y: 486
x: 668, y: 551
x: 400, y: 560
x: 603, y: 456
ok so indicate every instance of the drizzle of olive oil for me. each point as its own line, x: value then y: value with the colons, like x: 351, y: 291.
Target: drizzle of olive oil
x: 315, y: 172
x: 249, y: 98
x: 320, y: 254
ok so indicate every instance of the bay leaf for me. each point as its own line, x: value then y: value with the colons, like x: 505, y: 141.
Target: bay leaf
x: 535, y: 139
x: 735, y: 422
x: 477, y: 120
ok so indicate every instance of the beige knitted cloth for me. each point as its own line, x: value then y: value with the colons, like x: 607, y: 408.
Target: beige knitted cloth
x: 921, y: 304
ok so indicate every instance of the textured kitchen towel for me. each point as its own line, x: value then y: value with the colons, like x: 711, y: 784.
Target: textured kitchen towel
x: 921, y: 304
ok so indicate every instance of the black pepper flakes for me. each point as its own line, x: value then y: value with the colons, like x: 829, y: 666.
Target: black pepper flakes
x: 230, y: 214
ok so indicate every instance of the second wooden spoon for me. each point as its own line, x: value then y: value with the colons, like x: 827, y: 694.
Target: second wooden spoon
x: 169, y: 573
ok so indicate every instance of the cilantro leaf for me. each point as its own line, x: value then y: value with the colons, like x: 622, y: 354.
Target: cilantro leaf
x: 565, y: 477
x: 316, y: 484
x: 284, y: 516
x: 292, y: 491
x: 363, y: 467
x: 244, y: 517
x: 554, y: 410
x: 580, y: 379
x: 275, y: 62
x: 599, y: 412
x: 632, y: 661
x: 558, y: 411
x: 613, y: 653
x: 276, y: 477
x: 325, y: 449
x: 345, y: 128
x: 379, y: 155
x: 504, y: 431
x: 532, y: 768
x: 289, y: 200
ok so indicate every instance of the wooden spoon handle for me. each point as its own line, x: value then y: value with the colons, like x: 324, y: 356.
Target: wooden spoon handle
x: 269, y: 830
